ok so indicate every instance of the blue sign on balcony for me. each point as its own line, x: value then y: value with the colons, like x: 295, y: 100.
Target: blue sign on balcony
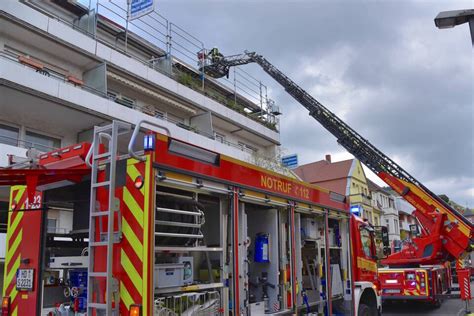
x: 290, y: 161
x: 139, y: 8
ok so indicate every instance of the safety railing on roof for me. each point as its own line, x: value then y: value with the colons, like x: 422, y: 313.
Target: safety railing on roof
x: 241, y: 91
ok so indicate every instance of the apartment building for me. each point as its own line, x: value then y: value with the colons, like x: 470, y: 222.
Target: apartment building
x: 345, y: 177
x: 384, y: 202
x: 406, y: 218
x: 65, y: 68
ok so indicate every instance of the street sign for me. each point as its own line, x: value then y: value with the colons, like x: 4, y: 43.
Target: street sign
x: 290, y: 161
x: 139, y: 8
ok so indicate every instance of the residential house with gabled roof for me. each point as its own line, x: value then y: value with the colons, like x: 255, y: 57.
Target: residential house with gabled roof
x: 345, y: 177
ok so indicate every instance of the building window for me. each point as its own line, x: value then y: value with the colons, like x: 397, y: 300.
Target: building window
x: 247, y: 148
x: 220, y: 137
x: 387, y: 222
x: 41, y: 142
x: 9, y: 135
x: 121, y: 99
x: 51, y: 228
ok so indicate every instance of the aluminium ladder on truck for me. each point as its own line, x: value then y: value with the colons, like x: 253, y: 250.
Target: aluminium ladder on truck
x: 98, y: 301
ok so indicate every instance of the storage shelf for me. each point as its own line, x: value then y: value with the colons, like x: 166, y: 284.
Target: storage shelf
x: 188, y: 249
x: 313, y: 239
x: 189, y: 288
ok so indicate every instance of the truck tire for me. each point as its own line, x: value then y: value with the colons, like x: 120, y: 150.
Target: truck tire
x: 437, y: 303
x: 364, y: 310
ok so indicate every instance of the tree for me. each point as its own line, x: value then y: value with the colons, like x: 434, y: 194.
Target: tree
x: 444, y: 197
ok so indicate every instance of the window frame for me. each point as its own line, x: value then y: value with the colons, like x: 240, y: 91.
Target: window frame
x: 29, y: 144
x: 11, y: 127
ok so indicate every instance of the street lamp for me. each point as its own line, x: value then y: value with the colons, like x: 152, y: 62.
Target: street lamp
x: 449, y: 19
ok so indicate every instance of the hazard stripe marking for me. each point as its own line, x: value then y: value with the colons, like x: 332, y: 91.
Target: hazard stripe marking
x: 125, y: 296
x: 132, y: 238
x: 133, y: 223
x: 131, y: 272
x: 133, y: 206
x: 14, y: 249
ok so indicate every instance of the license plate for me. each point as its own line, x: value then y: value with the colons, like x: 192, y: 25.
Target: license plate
x: 391, y: 291
x: 24, y: 279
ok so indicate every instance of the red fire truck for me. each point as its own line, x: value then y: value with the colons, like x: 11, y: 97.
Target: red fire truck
x: 421, y: 269
x: 176, y: 229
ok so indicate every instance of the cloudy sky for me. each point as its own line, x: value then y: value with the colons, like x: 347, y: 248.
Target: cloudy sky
x: 382, y: 66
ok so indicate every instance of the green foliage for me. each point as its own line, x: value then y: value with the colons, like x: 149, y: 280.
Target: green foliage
x: 186, y: 79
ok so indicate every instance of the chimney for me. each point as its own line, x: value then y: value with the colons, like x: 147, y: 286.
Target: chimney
x: 328, y: 158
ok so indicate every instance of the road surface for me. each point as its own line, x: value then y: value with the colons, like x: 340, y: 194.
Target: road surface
x: 451, y: 307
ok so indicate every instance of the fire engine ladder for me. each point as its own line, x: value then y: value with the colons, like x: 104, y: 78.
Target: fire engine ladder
x: 98, y: 301
x: 352, y: 141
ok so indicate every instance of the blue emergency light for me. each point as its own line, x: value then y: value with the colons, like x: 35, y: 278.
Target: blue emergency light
x: 355, y: 209
x: 149, y: 142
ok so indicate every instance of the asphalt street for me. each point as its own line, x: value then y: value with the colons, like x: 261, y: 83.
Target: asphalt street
x: 451, y: 307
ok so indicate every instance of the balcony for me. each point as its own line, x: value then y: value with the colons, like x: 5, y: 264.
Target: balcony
x: 404, y: 226
x: 361, y: 199
x: 15, y: 144
x: 390, y: 211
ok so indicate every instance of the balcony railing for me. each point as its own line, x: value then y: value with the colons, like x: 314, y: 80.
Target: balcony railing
x: 390, y: 210
x: 173, y: 51
x: 152, y: 112
x: 361, y: 198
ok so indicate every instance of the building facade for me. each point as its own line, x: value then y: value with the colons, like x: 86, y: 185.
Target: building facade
x: 406, y: 218
x: 384, y: 202
x: 65, y: 68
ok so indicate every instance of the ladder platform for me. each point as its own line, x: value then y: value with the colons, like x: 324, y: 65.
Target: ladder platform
x: 99, y: 214
x: 103, y: 155
x: 101, y: 184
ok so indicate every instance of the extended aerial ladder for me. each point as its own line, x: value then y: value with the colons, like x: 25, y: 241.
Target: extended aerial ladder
x: 445, y: 235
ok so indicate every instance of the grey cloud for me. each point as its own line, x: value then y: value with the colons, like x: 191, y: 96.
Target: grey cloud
x: 405, y: 85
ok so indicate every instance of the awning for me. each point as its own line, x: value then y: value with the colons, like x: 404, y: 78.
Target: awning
x: 151, y: 93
